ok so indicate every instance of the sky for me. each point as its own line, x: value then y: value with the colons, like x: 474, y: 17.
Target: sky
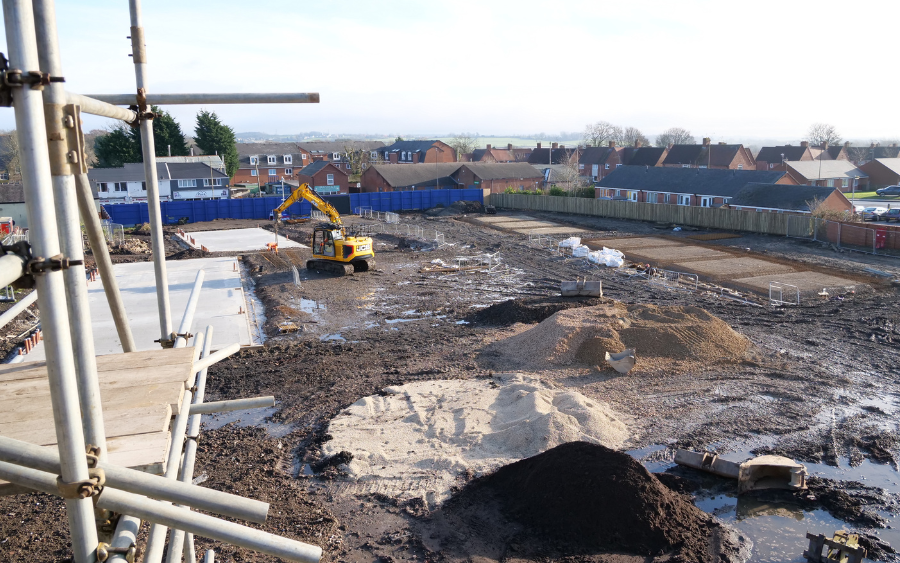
x: 721, y: 69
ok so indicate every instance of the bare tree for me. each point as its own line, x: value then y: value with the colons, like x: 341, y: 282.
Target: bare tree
x: 360, y: 158
x: 676, y: 136
x: 632, y: 135
x: 595, y: 134
x: 89, y: 138
x: 9, y: 154
x: 858, y: 155
x: 570, y: 175
x: 462, y: 144
x: 823, y: 132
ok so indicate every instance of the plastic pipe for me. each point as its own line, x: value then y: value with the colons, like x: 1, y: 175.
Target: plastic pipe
x: 31, y: 131
x: 233, y: 405
x: 154, y: 486
x: 203, y: 99
x: 14, y: 311
x: 173, y: 517
x: 188, y: 318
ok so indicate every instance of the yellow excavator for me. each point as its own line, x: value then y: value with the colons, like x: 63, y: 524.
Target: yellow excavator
x: 333, y: 250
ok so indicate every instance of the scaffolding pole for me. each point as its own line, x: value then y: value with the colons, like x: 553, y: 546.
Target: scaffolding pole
x: 36, y: 178
x: 200, y: 99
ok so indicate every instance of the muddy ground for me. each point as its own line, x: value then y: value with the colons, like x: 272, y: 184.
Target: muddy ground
x: 818, y: 384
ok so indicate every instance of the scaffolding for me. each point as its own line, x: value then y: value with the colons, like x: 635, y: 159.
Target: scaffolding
x: 106, y: 502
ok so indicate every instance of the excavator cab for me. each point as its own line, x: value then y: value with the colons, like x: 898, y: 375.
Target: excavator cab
x: 337, y: 253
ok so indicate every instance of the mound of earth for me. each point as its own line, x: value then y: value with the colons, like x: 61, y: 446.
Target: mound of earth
x: 527, y: 311
x: 582, y: 336
x: 417, y: 439
x: 581, y: 498
x: 456, y: 208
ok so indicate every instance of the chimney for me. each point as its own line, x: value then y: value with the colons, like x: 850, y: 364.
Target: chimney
x: 562, y: 146
x: 824, y: 145
x: 846, y: 144
x: 804, y: 144
x: 489, y: 146
x: 554, y: 146
x: 509, y: 146
x: 637, y: 144
x: 539, y: 145
x: 612, y: 144
x: 893, y: 145
x: 706, y: 141
x: 872, y: 146
x: 722, y: 143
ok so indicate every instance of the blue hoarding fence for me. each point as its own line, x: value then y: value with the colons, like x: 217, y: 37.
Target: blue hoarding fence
x: 260, y: 207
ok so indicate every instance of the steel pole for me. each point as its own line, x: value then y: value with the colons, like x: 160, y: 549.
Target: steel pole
x: 36, y: 177
x: 188, y: 318
x: 232, y: 405
x: 12, y: 267
x: 103, y: 109
x: 104, y: 263
x: 14, y: 311
x: 203, y: 99
x: 64, y: 162
x: 157, y: 239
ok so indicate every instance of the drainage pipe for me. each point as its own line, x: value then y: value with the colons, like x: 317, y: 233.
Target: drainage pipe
x: 14, y: 311
x: 170, y: 516
x: 232, y: 405
x: 36, y: 177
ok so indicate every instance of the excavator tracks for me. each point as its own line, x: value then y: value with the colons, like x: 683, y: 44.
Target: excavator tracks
x: 330, y: 267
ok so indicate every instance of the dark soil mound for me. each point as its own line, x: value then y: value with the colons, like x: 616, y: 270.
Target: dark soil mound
x: 581, y: 497
x: 456, y: 208
x: 527, y: 310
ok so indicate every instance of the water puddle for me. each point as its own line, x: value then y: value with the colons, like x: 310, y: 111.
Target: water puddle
x: 336, y: 337
x: 248, y: 417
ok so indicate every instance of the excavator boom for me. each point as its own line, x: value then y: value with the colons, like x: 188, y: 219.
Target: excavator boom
x: 304, y: 192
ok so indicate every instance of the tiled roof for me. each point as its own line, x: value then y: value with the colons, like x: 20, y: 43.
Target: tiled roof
x: 403, y: 175
x: 773, y: 154
x: 318, y: 165
x: 778, y: 196
x: 700, y: 181
x: 502, y: 170
x: 823, y: 169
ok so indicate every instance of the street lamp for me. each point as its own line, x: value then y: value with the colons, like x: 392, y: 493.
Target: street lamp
x: 853, y: 193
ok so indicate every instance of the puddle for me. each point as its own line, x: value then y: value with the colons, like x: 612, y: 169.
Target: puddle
x: 336, y: 337
x: 248, y: 417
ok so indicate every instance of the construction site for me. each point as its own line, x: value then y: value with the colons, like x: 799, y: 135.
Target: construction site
x: 456, y: 383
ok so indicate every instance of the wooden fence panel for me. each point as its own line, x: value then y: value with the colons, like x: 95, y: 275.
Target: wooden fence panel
x: 705, y: 217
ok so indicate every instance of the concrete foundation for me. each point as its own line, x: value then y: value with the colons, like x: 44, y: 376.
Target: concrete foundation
x: 239, y: 240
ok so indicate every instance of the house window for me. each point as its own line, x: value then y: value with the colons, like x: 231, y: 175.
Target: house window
x: 685, y: 165
x: 273, y: 172
x: 254, y: 160
x: 348, y: 166
x: 634, y: 196
x: 374, y: 155
x: 740, y: 166
x: 705, y: 201
x: 288, y: 159
x: 187, y: 183
x: 329, y: 179
x: 253, y: 173
x: 830, y: 183
x: 581, y: 166
x: 271, y: 159
x: 303, y: 156
x: 121, y: 186
x: 684, y: 200
x: 288, y: 171
x: 143, y: 186
x: 617, y: 166
x: 102, y: 187
x: 606, y: 166
x: 651, y: 197
x: 207, y: 182
x: 387, y: 155
x: 335, y: 156
x: 4, y: 175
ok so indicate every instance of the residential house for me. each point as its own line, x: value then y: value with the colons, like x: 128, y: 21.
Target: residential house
x: 643, y: 156
x: 882, y: 172
x: 775, y: 198
x: 12, y: 203
x: 336, y: 151
x: 597, y: 162
x: 262, y: 163
x: 770, y: 158
x: 707, y: 155
x: 403, y: 177
x: 841, y: 174
x: 213, y: 161
x: 325, y: 177
x: 415, y: 152
x: 862, y: 155
x: 493, y: 154
x: 497, y: 177
x: 177, y: 181
x: 683, y: 186
x: 556, y: 154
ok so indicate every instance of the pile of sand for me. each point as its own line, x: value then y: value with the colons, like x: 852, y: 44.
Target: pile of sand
x: 416, y: 439
x: 582, y: 336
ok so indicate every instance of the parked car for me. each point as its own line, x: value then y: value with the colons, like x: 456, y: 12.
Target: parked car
x: 890, y: 190
x: 872, y: 213
x: 890, y: 215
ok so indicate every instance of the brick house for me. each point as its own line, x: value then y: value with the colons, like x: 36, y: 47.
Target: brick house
x: 775, y: 198
x: 707, y: 155
x: 325, y: 178
x: 643, y: 156
x: 841, y: 174
x: 403, y: 177
x: 683, y: 186
x: 336, y: 151
x: 556, y: 154
x: 770, y: 158
x: 497, y: 177
x: 415, y: 152
x: 862, y: 155
x: 261, y: 163
x: 597, y: 162
x: 882, y: 172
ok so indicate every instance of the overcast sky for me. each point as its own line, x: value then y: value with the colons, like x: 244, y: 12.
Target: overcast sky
x: 727, y: 70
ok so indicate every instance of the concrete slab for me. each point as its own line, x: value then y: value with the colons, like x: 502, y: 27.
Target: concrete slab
x: 524, y: 225
x: 237, y: 240
x: 805, y: 281
x: 221, y: 304
x: 632, y: 242
x: 730, y: 268
x: 560, y: 230
x: 503, y: 218
x: 670, y: 254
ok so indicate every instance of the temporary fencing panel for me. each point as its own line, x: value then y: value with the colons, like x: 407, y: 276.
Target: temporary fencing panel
x: 261, y: 207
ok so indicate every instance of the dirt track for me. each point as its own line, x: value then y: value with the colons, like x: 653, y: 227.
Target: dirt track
x: 396, y: 325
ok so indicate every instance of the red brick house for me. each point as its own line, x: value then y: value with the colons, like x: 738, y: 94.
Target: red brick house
x: 882, y: 172
x: 405, y: 177
x: 415, y: 152
x: 499, y: 176
x: 597, y: 162
x: 261, y: 163
x: 841, y: 174
x: 556, y: 154
x: 775, y: 198
x: 643, y: 156
x: 707, y: 155
x: 326, y: 178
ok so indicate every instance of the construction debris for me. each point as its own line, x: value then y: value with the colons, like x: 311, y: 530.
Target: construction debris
x: 581, y: 287
x: 763, y: 472
x: 843, y: 547
x: 622, y: 362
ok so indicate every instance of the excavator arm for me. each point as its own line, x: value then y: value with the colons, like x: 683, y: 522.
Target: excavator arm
x: 304, y: 192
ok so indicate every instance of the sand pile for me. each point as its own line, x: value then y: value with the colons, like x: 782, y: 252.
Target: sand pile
x: 416, y: 439
x: 582, y: 336
x: 586, y: 498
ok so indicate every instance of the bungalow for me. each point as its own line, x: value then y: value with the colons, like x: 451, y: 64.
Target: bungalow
x: 841, y: 174
x: 325, y: 177
x: 683, y: 186
x: 401, y: 177
x: 707, y: 155
x: 414, y: 152
x: 775, y: 198
x: 882, y: 172
x: 597, y: 162
x: 490, y: 154
x: 177, y: 181
x: 497, y: 177
x: 556, y: 154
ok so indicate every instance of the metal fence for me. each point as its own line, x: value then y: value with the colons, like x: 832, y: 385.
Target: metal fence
x: 783, y: 294
x: 114, y: 233
x: 870, y: 238
x: 670, y: 279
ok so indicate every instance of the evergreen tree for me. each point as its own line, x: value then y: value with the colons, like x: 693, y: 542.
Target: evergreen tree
x: 116, y: 148
x: 166, y: 132
x: 215, y: 138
